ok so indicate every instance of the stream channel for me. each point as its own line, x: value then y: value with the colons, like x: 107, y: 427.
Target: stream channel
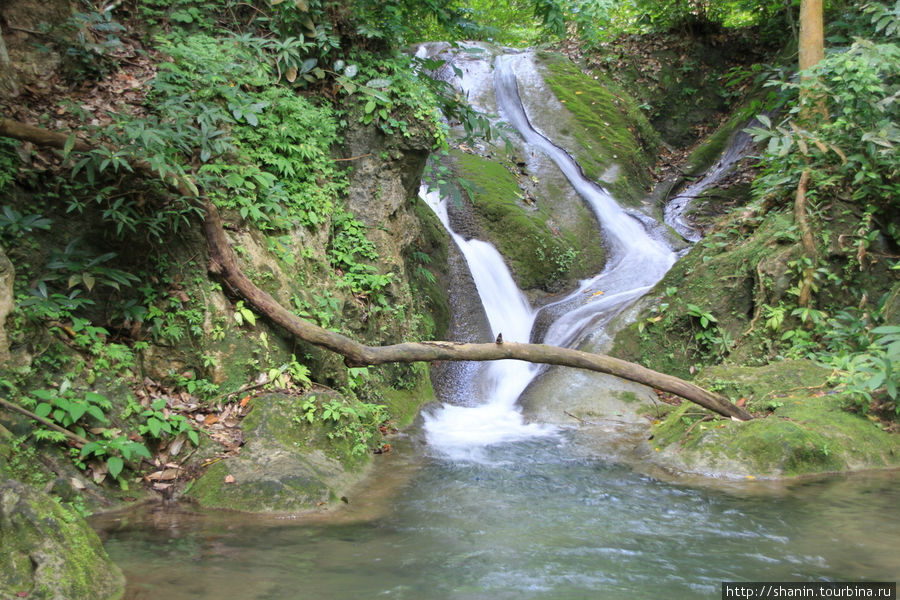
x: 476, y: 502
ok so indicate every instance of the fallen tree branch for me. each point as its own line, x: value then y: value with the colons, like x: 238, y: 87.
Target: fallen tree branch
x: 74, y: 437
x: 224, y: 263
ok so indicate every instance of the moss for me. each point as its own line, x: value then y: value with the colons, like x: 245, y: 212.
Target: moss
x: 610, y: 129
x: 538, y: 257
x: 403, y: 404
x: 759, y: 385
x: 806, y: 432
x: 48, y: 552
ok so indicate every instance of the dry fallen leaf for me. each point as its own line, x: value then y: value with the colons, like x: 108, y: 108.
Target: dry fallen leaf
x: 229, y: 478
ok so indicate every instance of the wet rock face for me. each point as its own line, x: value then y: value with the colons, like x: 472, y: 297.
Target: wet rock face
x: 384, y: 179
x: 21, y: 61
x: 46, y: 552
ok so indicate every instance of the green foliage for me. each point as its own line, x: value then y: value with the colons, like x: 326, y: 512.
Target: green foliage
x: 66, y: 410
x: 88, y: 43
x: 159, y: 422
x: 242, y: 314
x: 14, y: 224
x: 865, y: 373
x: 9, y: 162
x: 394, y: 95
x: 711, y: 342
x: 352, y: 253
x: 355, y: 421
x: 81, y: 413
x: 852, y: 154
x: 286, y: 174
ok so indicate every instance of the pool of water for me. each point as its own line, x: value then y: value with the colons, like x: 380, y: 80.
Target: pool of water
x: 526, y: 521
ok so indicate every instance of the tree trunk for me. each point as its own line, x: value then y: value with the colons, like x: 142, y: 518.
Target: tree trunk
x: 806, y: 239
x: 812, y: 33
x: 224, y: 264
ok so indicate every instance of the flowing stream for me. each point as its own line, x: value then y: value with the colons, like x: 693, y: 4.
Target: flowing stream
x: 476, y: 503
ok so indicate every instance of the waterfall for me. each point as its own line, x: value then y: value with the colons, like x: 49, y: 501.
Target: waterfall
x: 636, y: 261
x: 460, y: 432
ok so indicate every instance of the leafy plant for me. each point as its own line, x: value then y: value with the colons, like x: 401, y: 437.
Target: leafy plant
x: 161, y: 422
x: 15, y: 224
x: 357, y: 422
x: 115, y: 452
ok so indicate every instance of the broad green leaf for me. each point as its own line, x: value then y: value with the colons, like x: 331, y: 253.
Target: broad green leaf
x: 95, y: 412
x: 115, y: 464
x: 155, y: 426
x: 77, y: 410
x: 91, y: 448
x: 44, y: 394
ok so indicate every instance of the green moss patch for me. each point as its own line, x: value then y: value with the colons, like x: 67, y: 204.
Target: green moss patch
x: 537, y: 256
x: 608, y: 127
x: 46, y: 551
x: 804, y: 430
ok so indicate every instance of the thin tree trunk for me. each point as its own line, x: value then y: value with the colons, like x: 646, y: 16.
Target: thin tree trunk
x: 806, y: 240
x: 224, y: 264
x: 812, y: 33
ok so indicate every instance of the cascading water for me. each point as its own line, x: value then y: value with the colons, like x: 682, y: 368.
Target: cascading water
x: 460, y: 432
x: 635, y: 262
x: 536, y: 522
x: 675, y: 209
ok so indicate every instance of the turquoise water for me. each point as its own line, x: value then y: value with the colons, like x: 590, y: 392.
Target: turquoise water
x: 530, y: 522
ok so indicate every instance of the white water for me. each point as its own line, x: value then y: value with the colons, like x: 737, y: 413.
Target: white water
x: 675, y: 209
x: 462, y: 432
x: 635, y: 262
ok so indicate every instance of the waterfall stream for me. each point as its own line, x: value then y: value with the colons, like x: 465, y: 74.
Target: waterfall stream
x: 461, y: 431
x: 636, y: 260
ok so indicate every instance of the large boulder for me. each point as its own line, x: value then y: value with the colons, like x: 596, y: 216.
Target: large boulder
x: 286, y: 465
x: 48, y: 552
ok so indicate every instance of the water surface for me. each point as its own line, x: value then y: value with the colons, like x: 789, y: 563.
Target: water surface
x: 527, y: 521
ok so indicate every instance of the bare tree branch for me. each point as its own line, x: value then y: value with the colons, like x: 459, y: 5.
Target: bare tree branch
x: 224, y: 263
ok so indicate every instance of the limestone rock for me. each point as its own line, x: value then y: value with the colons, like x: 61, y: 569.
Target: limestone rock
x: 285, y: 466
x: 46, y: 552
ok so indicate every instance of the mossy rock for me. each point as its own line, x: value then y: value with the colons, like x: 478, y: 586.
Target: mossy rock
x: 286, y: 465
x: 806, y: 430
x: 540, y: 256
x: 611, y: 139
x: 759, y: 385
x: 48, y: 552
x: 720, y: 277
